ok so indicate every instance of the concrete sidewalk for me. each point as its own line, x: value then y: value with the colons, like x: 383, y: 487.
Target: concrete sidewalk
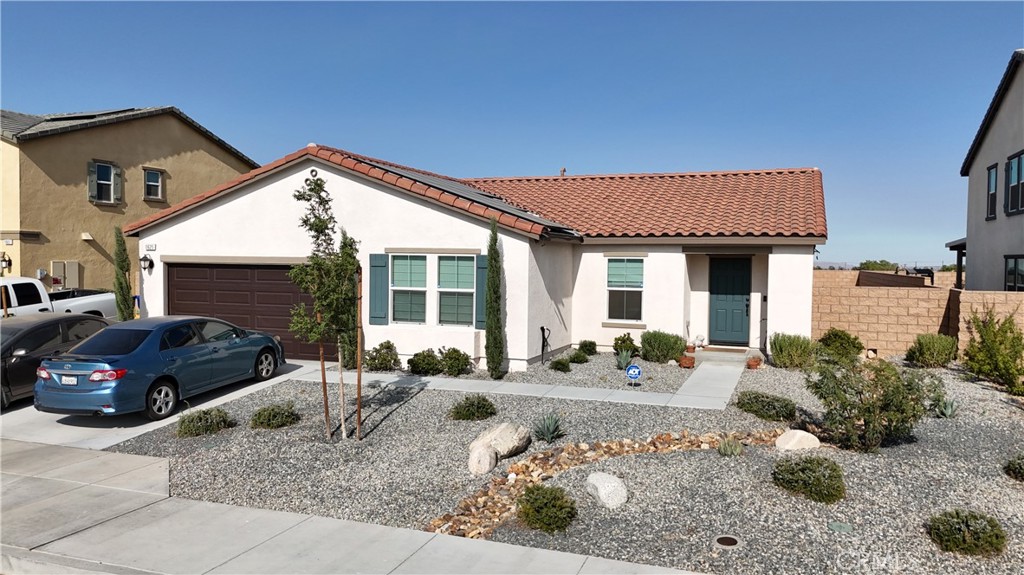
x: 71, y: 510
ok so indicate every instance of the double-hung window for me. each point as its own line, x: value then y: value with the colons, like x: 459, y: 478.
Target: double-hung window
x: 456, y: 281
x: 990, y: 196
x: 409, y: 288
x: 154, y: 183
x: 1014, y: 203
x: 625, y: 288
x: 104, y: 183
x: 1015, y: 273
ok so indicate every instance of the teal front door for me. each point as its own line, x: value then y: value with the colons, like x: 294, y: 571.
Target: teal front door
x: 730, y: 301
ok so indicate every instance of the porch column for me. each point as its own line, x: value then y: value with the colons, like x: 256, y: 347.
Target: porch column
x: 790, y: 290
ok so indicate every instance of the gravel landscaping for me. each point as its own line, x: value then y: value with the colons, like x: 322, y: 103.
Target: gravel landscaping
x: 602, y: 372
x: 411, y: 468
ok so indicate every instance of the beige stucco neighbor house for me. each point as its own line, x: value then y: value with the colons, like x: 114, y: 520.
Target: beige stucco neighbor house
x: 724, y: 256
x: 69, y: 179
x: 994, y: 168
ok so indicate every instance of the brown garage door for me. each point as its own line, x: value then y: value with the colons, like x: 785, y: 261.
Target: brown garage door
x: 253, y: 297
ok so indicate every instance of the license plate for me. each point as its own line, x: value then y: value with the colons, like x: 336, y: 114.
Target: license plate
x: 68, y: 380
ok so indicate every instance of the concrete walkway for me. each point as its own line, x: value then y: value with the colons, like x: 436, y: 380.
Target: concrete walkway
x: 709, y: 386
x: 68, y: 510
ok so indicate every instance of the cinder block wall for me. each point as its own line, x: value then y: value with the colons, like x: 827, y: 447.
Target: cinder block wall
x: 1003, y: 303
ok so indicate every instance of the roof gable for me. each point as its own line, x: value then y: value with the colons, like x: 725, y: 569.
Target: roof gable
x: 19, y: 127
x: 997, y: 100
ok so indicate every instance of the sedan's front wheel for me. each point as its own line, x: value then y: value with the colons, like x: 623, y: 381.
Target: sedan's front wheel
x: 161, y: 400
x: 265, y: 365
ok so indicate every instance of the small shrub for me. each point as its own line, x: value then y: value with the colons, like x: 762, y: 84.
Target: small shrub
x: 967, y: 532
x: 730, y: 447
x: 623, y: 359
x: 560, y: 364
x: 275, y: 416
x: 426, y: 362
x: 454, y: 361
x: 766, y: 406
x: 625, y: 343
x: 659, y: 346
x: 384, y: 357
x: 588, y: 347
x: 996, y: 350
x: 546, y: 508
x: 946, y: 409
x: 873, y: 403
x: 203, y: 422
x: 548, y: 428
x: 792, y: 351
x: 1015, y: 467
x: 817, y: 478
x: 473, y: 408
x: 578, y: 357
x: 932, y: 350
x: 840, y: 346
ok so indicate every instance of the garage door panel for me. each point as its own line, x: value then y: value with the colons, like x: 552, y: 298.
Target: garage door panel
x: 233, y: 297
x: 285, y: 299
x: 233, y: 274
x: 190, y: 273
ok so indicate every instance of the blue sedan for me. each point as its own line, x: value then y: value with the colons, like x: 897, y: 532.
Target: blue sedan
x: 150, y: 364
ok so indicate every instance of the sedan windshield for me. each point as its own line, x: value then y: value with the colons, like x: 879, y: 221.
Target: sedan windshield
x: 112, y: 342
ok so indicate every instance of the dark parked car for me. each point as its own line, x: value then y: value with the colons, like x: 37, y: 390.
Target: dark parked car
x: 26, y: 340
x: 150, y: 364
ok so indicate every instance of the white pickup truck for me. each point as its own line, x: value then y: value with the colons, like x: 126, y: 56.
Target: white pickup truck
x: 24, y: 296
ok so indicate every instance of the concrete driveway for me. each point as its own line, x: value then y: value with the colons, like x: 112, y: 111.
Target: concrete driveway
x: 21, y: 422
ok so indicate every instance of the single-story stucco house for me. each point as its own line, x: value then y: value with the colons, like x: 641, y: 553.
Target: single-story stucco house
x: 724, y: 256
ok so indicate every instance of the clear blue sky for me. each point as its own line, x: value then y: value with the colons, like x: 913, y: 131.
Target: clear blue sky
x: 884, y: 97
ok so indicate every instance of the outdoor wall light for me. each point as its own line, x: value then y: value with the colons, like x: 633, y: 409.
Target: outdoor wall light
x: 146, y: 262
x: 5, y: 262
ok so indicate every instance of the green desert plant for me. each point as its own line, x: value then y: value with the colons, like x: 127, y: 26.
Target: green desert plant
x: 791, y: 351
x: 473, y: 408
x: 1015, y: 467
x: 546, y: 508
x: 275, y: 415
x: 840, y: 346
x: 578, y: 357
x: 659, y: 346
x: 203, y: 422
x: 967, y: 533
x: 766, y: 406
x: 625, y: 343
x: 623, y: 359
x: 730, y: 447
x: 384, y: 357
x: 932, y: 350
x: 817, y: 478
x: 548, y: 428
x: 426, y: 362
x: 588, y: 347
x: 946, y: 409
x: 454, y: 361
x: 995, y: 350
x: 560, y: 364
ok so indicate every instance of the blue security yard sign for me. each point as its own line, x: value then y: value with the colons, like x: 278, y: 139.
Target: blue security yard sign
x: 633, y: 372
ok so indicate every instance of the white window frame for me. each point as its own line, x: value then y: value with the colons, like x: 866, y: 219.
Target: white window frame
x: 609, y: 289
x: 394, y: 289
x: 159, y: 184
x: 444, y: 290
x: 109, y: 183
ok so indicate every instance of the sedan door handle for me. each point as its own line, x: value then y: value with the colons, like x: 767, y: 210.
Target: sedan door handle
x: 216, y: 350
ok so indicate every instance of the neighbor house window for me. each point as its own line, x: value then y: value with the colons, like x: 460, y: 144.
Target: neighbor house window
x: 990, y: 197
x: 625, y: 288
x: 104, y: 182
x: 409, y: 288
x: 1015, y: 273
x: 154, y: 184
x: 456, y: 280
x: 1014, y: 202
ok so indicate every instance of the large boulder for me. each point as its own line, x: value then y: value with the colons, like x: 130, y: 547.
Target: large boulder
x: 507, y: 439
x: 796, y: 439
x: 482, y: 460
x: 609, y: 490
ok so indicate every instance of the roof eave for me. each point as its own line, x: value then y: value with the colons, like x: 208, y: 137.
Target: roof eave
x: 993, y: 107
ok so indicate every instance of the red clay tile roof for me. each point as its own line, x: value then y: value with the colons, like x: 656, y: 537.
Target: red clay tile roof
x: 789, y: 203
x: 372, y: 168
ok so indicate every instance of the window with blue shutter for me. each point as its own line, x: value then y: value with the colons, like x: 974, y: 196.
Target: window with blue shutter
x: 481, y: 292
x: 409, y: 288
x: 378, y: 289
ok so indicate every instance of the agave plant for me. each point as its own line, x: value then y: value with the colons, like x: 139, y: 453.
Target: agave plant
x: 947, y: 408
x: 730, y: 447
x: 624, y: 358
x: 548, y: 428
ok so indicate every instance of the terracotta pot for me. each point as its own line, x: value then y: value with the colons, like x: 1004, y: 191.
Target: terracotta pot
x: 691, y: 348
x: 753, y: 362
x: 686, y: 361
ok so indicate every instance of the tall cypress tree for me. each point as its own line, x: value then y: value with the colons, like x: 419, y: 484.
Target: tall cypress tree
x: 495, y: 323
x: 122, y: 285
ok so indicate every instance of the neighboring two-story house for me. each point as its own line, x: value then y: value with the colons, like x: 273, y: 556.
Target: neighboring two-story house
x: 69, y: 179
x: 994, y: 167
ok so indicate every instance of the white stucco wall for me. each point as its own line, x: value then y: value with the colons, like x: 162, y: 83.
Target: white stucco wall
x: 989, y: 241
x: 663, y: 306
x: 550, y: 295
x: 790, y: 286
x: 262, y: 221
